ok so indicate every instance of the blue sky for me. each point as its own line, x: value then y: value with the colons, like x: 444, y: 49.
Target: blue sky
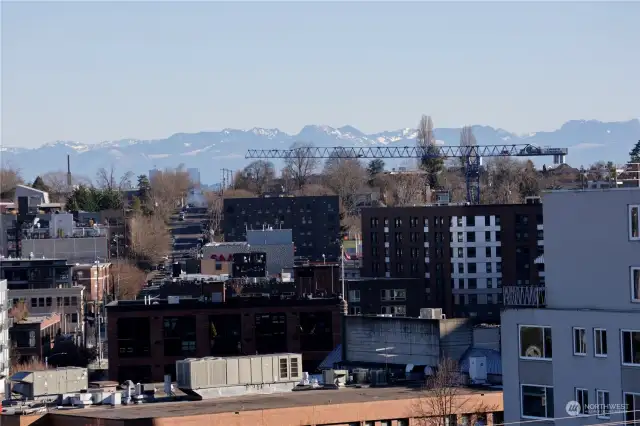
x: 89, y: 71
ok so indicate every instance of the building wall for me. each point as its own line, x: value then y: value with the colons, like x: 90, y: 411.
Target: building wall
x: 365, y: 296
x: 344, y: 414
x: 94, y: 278
x: 4, y: 332
x: 588, y: 261
x: 422, y: 242
x: 75, y: 250
x: 574, y: 263
x: 414, y: 341
x: 567, y: 371
x: 58, y: 298
x: 158, y: 360
x: 315, y: 222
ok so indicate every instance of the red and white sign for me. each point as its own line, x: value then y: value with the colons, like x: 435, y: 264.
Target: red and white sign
x: 222, y: 258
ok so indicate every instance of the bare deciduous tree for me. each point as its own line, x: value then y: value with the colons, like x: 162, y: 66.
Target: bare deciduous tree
x: 58, y: 184
x: 150, y: 238
x: 9, y: 178
x: 168, y: 189
x: 238, y: 193
x: 346, y: 177
x: 509, y: 181
x: 406, y: 189
x: 214, y: 208
x: 454, y: 182
x: 445, y: 397
x: 314, y: 190
x: 19, y: 312
x: 467, y: 140
x: 126, y: 280
x: 300, y: 166
x: 108, y: 179
x: 258, y: 176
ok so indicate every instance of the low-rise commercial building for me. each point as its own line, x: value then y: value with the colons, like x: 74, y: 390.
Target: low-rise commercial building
x: 147, y: 338
x: 33, y: 336
x: 392, y: 406
x: 46, y: 287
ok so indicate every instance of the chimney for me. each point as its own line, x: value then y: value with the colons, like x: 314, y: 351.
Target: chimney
x: 69, y: 171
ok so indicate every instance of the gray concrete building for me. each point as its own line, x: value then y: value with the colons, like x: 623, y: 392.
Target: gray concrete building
x: 4, y: 333
x: 582, y: 341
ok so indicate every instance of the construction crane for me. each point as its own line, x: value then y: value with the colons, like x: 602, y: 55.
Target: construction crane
x: 471, y: 156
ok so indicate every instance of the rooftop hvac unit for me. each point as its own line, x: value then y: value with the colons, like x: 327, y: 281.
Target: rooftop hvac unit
x: 478, y: 369
x: 431, y: 313
x: 173, y: 300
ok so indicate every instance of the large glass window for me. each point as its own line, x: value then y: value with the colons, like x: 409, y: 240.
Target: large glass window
x: 133, y: 337
x: 224, y: 331
x: 537, y: 401
x: 630, y: 347
x: 179, y: 336
x: 535, y: 342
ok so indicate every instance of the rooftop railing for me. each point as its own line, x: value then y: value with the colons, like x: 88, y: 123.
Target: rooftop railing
x: 524, y: 296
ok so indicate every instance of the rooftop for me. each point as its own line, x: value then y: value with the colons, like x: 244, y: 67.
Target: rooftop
x: 230, y: 303
x: 258, y: 402
x: 45, y: 320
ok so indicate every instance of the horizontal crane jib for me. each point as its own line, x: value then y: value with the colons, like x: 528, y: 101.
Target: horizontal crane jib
x: 431, y: 151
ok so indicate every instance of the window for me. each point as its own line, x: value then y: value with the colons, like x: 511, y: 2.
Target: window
x: 294, y: 367
x: 354, y: 295
x: 34, y: 302
x: 630, y: 347
x: 582, y: 398
x: 535, y: 342
x: 471, y: 252
x: 602, y: 399
x: 471, y: 221
x: 487, y: 236
x: 471, y: 237
x: 284, y: 370
x: 488, y: 267
x: 473, y: 283
x: 355, y: 310
x: 635, y: 284
x: 632, y: 408
x: 394, y: 294
x: 74, y: 301
x: 396, y: 310
x: 634, y: 225
x: 600, y: 342
x: 537, y: 402
x: 579, y: 341
x: 487, y: 252
x: 472, y: 268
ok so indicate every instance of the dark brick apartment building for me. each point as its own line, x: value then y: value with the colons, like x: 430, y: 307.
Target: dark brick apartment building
x: 145, y: 340
x: 314, y: 221
x: 464, y: 254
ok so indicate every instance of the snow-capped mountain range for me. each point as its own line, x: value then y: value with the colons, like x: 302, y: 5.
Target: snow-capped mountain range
x: 588, y: 141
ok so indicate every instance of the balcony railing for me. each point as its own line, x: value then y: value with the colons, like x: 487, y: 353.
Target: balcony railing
x: 524, y: 296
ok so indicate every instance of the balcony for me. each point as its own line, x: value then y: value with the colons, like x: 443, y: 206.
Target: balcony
x: 530, y: 296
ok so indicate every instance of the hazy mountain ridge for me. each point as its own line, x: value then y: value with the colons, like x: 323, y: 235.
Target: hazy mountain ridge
x: 588, y: 141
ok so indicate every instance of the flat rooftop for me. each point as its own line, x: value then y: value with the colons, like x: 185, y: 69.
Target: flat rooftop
x: 255, y: 402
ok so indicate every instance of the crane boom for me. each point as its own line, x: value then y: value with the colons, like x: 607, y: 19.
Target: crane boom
x: 471, y: 156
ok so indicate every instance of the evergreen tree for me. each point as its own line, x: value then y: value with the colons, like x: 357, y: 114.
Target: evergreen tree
x: 635, y: 153
x: 40, y: 185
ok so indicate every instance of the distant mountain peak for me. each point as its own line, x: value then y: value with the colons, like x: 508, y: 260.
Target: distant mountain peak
x: 212, y: 150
